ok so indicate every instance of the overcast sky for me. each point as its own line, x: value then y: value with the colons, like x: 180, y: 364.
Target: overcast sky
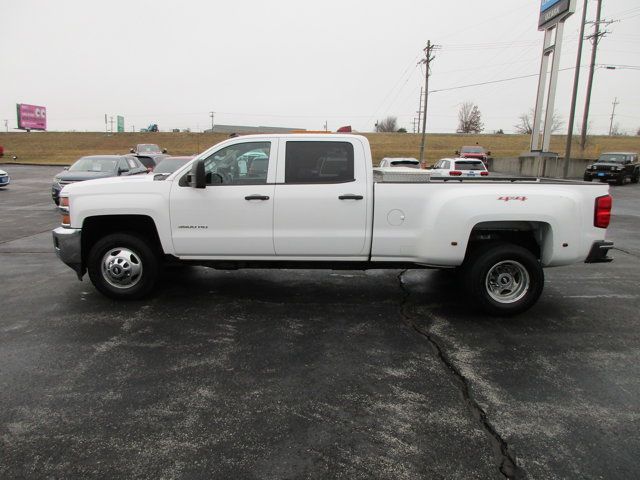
x: 298, y: 64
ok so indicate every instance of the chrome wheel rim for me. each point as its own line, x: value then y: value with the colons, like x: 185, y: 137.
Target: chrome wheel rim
x: 507, y: 281
x: 121, y: 268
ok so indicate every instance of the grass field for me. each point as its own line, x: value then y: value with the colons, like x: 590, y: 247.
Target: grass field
x: 65, y: 147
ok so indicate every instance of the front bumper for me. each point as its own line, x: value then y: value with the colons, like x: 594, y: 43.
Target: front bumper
x: 598, y: 252
x: 606, y: 176
x: 67, y: 243
x: 5, y: 180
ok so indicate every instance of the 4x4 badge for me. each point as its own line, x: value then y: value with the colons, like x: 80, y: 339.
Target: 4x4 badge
x: 506, y: 199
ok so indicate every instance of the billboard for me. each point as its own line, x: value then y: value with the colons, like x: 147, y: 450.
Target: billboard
x: 120, y: 123
x: 31, y: 117
x: 553, y: 11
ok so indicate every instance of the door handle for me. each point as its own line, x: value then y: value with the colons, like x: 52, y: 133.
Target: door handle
x: 350, y: 196
x: 256, y: 197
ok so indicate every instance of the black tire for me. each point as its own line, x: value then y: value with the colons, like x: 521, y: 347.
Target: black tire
x: 122, y: 266
x: 636, y: 176
x: 620, y: 180
x: 514, y: 272
x: 587, y: 179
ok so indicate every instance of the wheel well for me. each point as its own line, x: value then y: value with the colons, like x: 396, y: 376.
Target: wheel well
x: 531, y: 235
x: 94, y: 228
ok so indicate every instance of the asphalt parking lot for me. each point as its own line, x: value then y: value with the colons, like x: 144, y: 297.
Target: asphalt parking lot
x: 312, y: 374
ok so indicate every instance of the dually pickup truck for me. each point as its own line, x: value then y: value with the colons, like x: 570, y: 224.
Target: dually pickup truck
x: 314, y: 201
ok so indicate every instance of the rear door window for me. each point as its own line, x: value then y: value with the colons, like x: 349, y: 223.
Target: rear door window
x: 319, y: 162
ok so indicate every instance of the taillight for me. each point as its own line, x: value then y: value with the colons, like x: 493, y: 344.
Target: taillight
x: 602, y: 215
x: 484, y: 174
x: 64, y: 210
x: 455, y: 173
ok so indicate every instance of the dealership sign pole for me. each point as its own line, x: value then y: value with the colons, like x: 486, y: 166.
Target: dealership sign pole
x: 553, y: 14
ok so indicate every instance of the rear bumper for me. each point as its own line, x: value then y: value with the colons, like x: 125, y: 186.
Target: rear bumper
x: 598, y: 253
x: 67, y: 243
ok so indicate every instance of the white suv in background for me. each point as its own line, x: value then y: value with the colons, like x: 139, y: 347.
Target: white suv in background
x: 459, y: 167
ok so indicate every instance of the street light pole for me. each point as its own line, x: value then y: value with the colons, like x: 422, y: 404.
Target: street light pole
x: 211, y: 114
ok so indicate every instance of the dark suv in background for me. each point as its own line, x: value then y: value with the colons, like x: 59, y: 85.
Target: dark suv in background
x: 618, y: 167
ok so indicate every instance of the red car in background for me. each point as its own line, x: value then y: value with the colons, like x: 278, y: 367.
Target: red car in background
x: 475, y: 151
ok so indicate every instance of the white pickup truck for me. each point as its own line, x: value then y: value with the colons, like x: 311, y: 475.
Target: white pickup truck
x: 314, y: 201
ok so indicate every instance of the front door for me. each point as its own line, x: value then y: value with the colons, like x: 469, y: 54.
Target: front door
x: 233, y: 215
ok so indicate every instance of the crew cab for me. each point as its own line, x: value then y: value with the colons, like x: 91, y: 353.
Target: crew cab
x: 314, y: 201
x: 618, y: 167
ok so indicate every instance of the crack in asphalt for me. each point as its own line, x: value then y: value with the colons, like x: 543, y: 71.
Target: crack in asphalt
x: 508, y: 466
x: 633, y: 254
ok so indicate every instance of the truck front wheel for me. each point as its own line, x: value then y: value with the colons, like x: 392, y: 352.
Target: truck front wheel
x: 503, y: 278
x: 122, y: 266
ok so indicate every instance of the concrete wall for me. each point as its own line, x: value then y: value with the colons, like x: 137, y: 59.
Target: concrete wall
x: 529, y: 166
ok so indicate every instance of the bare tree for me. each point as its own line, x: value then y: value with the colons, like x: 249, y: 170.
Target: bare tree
x: 615, y: 130
x: 638, y: 132
x: 525, y: 123
x: 469, y: 118
x: 388, y: 124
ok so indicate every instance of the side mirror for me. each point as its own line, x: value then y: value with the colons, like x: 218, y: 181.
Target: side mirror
x: 488, y: 153
x: 457, y: 152
x: 132, y: 150
x: 66, y: 168
x: 197, y: 178
x: 123, y: 170
x: 164, y: 150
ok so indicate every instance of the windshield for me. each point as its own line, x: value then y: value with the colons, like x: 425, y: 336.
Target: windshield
x: 469, y: 165
x: 169, y: 165
x: 613, y: 158
x: 472, y: 150
x: 148, y: 148
x: 95, y: 164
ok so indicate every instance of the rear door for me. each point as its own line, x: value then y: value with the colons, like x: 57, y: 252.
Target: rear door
x: 321, y: 199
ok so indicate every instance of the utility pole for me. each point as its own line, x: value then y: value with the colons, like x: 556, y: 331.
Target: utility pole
x: 595, y: 38
x: 426, y: 61
x: 6, y: 125
x: 111, y: 122
x: 613, y: 114
x: 419, y: 112
x: 211, y: 114
x: 574, y: 95
x: 326, y: 126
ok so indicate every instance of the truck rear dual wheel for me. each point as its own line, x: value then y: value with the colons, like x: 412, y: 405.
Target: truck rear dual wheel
x: 122, y: 266
x: 503, y: 278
